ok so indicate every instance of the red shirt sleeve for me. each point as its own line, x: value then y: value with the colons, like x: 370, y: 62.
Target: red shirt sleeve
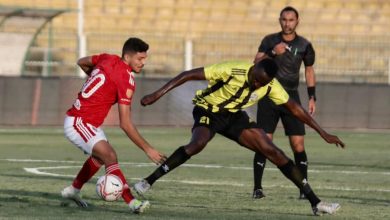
x: 125, y: 92
x: 100, y: 58
x: 126, y: 87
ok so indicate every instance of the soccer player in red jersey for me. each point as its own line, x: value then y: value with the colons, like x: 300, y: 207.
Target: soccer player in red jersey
x: 110, y: 80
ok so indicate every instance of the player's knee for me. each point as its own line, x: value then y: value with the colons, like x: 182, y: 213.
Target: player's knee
x: 195, y: 147
x: 297, y: 148
x: 110, y: 158
x: 199, y: 144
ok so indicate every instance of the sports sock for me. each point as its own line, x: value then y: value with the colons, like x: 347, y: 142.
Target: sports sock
x: 301, y: 162
x: 292, y: 173
x: 258, y: 169
x: 90, y: 167
x: 176, y: 159
x: 115, y: 170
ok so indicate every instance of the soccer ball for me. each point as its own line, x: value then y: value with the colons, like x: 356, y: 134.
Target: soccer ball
x: 109, y: 187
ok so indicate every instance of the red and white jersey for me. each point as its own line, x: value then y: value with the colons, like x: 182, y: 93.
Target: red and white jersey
x: 110, y: 82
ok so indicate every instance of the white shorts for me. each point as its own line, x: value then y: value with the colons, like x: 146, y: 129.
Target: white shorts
x: 81, y: 134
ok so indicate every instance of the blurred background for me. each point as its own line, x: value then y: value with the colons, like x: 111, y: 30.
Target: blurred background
x: 41, y: 41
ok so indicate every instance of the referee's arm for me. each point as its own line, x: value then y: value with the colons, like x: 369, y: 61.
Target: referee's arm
x: 311, y: 85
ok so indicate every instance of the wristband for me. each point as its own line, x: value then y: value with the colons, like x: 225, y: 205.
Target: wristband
x: 311, y: 91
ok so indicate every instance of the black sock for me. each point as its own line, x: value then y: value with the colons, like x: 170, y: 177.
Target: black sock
x: 176, y: 159
x: 258, y: 169
x: 301, y: 162
x: 292, y: 173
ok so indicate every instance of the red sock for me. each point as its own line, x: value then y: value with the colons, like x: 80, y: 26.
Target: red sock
x: 115, y: 170
x: 90, y: 167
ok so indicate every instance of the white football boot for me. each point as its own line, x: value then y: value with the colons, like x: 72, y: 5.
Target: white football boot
x: 141, y: 187
x: 73, y: 194
x: 325, y: 208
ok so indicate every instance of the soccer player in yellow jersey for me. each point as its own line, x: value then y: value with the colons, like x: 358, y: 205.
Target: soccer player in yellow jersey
x: 232, y: 87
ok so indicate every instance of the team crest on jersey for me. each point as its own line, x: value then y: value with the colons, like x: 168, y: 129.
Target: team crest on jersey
x: 129, y: 93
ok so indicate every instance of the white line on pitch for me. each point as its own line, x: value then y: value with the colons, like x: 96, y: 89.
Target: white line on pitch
x: 207, y: 166
x: 37, y: 171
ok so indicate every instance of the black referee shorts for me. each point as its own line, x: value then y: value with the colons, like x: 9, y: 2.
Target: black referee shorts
x: 228, y: 124
x: 268, y: 115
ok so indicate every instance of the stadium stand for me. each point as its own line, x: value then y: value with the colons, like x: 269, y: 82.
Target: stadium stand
x: 349, y: 36
x: 30, y: 21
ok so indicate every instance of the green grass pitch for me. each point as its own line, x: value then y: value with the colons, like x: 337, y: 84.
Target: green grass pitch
x: 36, y: 163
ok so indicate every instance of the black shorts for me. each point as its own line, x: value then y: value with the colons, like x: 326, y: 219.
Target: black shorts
x: 268, y: 115
x: 228, y: 124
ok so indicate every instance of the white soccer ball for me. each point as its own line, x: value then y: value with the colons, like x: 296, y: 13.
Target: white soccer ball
x: 109, y: 187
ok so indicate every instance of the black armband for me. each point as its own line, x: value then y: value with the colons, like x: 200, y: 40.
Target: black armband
x: 311, y: 91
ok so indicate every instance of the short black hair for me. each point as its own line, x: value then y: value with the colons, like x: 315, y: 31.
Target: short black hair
x: 269, y: 66
x: 134, y: 45
x: 289, y: 8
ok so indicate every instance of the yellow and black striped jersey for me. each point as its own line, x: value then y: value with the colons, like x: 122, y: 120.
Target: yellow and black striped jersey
x: 228, y: 88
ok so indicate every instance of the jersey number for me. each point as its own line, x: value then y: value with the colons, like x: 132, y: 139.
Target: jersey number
x: 93, y: 83
x: 204, y: 120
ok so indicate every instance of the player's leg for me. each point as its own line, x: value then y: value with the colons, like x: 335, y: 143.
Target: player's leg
x: 256, y: 140
x: 259, y: 162
x: 267, y: 119
x: 295, y: 130
x: 84, y: 137
x: 300, y: 157
x: 106, y: 153
x: 87, y: 171
x: 200, y: 137
x: 202, y: 133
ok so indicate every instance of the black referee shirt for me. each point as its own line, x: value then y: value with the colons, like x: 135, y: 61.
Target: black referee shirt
x: 290, y: 62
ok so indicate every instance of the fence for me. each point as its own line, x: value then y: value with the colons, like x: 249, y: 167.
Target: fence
x: 357, y: 59
x: 44, y: 101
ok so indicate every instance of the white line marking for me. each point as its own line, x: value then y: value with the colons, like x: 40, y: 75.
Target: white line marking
x: 206, y: 166
x: 39, y: 171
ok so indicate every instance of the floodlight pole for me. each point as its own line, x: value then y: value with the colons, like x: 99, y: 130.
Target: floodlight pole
x: 80, y: 33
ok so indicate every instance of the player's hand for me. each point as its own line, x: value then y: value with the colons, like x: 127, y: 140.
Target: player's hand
x: 155, y: 156
x: 149, y: 99
x: 332, y: 139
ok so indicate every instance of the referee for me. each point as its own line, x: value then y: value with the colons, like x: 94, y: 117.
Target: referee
x: 288, y: 50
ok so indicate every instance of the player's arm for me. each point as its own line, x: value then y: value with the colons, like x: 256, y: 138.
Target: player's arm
x: 260, y: 56
x: 266, y: 49
x: 194, y: 74
x: 85, y: 63
x: 311, y: 85
x: 305, y: 117
x: 131, y: 131
x: 278, y: 49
